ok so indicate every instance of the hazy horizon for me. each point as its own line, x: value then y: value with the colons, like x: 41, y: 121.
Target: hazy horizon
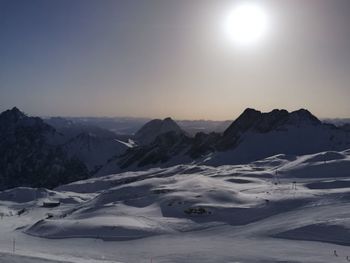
x: 161, y: 117
x: 160, y: 58
x: 233, y: 117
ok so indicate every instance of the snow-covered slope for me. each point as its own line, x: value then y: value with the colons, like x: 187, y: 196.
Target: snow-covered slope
x: 255, y: 135
x: 304, y: 139
x: 256, y: 212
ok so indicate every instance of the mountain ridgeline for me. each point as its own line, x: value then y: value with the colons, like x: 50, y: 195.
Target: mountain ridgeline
x: 29, y: 158
x: 47, y: 153
x: 252, y: 136
x: 34, y: 153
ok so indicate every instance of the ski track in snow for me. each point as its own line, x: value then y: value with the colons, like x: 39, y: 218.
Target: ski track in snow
x: 188, y: 213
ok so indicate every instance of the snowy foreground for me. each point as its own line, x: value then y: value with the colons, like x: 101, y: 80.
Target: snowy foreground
x: 280, y: 209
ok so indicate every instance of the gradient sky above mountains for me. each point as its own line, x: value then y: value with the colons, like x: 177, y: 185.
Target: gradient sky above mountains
x: 157, y: 58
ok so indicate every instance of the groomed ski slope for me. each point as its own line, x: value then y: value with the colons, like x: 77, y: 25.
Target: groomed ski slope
x: 283, y: 208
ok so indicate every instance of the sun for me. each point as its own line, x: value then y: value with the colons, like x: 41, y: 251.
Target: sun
x: 246, y: 24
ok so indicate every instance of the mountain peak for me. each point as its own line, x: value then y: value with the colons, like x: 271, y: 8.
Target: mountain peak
x: 244, y: 121
x: 14, y: 118
x: 13, y: 115
x: 15, y: 109
x: 303, y: 115
x: 156, y: 127
x: 257, y: 121
x: 250, y: 111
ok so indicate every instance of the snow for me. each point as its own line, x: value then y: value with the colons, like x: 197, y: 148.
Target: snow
x: 10, y: 258
x: 130, y: 143
x: 291, y: 140
x: 337, y: 234
x: 284, y: 208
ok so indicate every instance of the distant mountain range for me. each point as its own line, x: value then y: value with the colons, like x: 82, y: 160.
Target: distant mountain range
x: 130, y: 125
x: 253, y: 135
x: 54, y: 151
x: 90, y: 144
x: 126, y: 126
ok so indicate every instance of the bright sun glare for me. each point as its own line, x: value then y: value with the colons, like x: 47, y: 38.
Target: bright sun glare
x: 246, y: 24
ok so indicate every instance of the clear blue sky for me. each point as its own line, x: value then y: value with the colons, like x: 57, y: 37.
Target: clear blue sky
x: 156, y: 58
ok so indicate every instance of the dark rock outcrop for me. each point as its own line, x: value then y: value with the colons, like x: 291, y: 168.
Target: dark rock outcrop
x: 152, y: 129
x: 28, y: 156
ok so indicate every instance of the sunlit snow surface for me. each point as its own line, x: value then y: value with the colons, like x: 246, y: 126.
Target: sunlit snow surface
x: 283, y: 208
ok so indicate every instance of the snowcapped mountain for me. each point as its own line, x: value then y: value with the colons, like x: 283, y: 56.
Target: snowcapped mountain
x: 257, y: 122
x: 70, y: 129
x: 92, y: 145
x: 253, y: 135
x: 34, y: 153
x: 158, y: 141
x: 28, y: 156
x: 94, y: 150
x: 162, y: 150
x: 152, y: 129
x: 269, y: 203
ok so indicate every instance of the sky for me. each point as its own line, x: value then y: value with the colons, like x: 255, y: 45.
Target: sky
x: 158, y: 58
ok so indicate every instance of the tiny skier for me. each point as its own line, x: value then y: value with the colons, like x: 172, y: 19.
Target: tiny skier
x: 335, y: 253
